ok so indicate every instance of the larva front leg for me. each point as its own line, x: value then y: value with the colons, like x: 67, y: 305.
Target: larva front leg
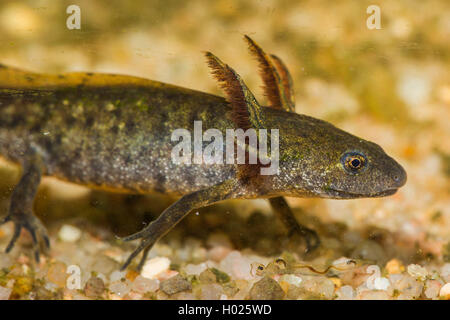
x: 284, y: 213
x: 174, y: 214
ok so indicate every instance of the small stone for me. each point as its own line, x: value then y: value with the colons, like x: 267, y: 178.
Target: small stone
x: 143, y: 285
x: 175, y: 284
x: 243, y: 289
x: 445, y: 272
x: 218, y: 253
x: 134, y: 295
x: 231, y: 288
x: 433, y: 288
x: 320, y: 287
x: 207, y: 276
x: 374, y: 295
x: 117, y: 276
x: 69, y: 233
x: 266, y: 289
x: 50, y: 286
x: 291, y: 279
x: 57, y: 274
x: 417, y: 272
x: 211, y: 291
x: 79, y: 296
x: 381, y: 283
x: 408, y: 287
x: 155, y: 266
x: 195, y: 269
x: 345, y: 293
x: 375, y: 281
x: 5, y: 293
x: 445, y: 291
x: 237, y: 265
x: 121, y: 288
x: 94, y: 287
x: 185, y: 295
x: 199, y: 254
x: 167, y: 274
x: 394, y: 266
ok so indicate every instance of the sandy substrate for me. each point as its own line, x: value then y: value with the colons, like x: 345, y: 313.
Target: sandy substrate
x: 390, y: 86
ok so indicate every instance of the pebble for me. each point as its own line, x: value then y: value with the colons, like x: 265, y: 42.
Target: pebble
x: 94, y: 287
x: 195, y: 269
x: 199, y: 254
x: 291, y: 279
x: 155, y: 266
x: 117, y: 275
x: 345, y: 293
x: 394, y: 266
x: 381, y: 284
x: 408, y: 286
x: 445, y: 291
x: 211, y: 291
x: 185, y: 295
x: 243, y: 289
x: 374, y: 295
x: 417, y: 271
x: 375, y: 281
x: 5, y: 293
x: 175, y: 284
x: 79, y: 296
x: 69, y: 233
x: 445, y: 272
x: 134, y: 295
x: 319, y: 286
x: 237, y: 266
x: 433, y: 288
x: 142, y: 285
x: 57, y: 274
x: 207, y: 276
x: 120, y: 288
x: 266, y: 289
x: 218, y: 253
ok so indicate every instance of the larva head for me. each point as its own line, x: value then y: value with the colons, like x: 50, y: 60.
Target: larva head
x: 321, y: 160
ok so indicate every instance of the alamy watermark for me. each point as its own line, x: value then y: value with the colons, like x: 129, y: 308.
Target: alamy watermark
x: 257, y: 148
x: 374, y: 20
x: 74, y: 20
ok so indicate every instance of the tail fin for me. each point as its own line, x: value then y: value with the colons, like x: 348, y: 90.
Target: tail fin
x: 11, y: 77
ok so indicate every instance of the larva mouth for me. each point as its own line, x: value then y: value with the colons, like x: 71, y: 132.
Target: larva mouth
x: 340, y: 194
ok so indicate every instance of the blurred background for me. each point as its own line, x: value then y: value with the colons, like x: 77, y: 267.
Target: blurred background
x: 388, y: 85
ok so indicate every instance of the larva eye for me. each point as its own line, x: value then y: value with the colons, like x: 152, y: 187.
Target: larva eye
x: 353, y: 161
